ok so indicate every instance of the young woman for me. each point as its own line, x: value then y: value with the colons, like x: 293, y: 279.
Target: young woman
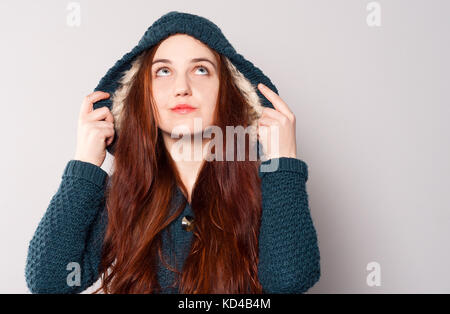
x: 210, y: 222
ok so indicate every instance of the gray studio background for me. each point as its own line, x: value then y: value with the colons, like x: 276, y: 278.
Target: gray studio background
x: 371, y: 102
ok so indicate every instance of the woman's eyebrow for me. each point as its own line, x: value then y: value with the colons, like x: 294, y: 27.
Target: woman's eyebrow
x: 192, y: 61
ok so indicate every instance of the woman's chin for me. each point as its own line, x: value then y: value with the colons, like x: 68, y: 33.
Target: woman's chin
x: 183, y: 131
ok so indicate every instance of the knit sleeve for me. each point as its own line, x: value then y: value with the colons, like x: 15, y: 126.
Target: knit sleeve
x: 64, y: 253
x: 289, y: 257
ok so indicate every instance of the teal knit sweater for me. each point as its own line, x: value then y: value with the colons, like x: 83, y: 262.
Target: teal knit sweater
x: 73, y: 226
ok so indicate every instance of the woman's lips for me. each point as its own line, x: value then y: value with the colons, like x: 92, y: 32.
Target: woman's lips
x: 183, y: 109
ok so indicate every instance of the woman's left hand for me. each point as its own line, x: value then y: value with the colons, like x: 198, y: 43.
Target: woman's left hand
x: 284, y: 119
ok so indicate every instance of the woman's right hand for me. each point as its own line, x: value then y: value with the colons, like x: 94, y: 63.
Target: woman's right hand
x: 95, y: 130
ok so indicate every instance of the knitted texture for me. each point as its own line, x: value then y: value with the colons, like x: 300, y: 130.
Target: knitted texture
x: 72, y: 230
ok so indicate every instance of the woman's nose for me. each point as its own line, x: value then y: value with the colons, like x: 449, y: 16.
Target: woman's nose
x: 182, y: 87
x: 182, y: 92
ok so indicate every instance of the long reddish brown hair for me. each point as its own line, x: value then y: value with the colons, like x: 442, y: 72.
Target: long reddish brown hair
x: 226, y: 202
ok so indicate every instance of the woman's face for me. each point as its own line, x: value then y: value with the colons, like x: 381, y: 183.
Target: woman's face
x: 184, y: 71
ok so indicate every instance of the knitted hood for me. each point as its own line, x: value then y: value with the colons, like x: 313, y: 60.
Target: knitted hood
x: 245, y: 74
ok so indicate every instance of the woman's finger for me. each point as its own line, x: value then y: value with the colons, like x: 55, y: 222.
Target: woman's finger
x: 274, y: 114
x: 268, y: 121
x: 99, y: 114
x: 88, y: 102
x: 275, y: 99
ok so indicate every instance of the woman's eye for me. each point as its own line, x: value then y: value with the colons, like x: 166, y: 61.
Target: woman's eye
x: 160, y: 70
x: 204, y: 68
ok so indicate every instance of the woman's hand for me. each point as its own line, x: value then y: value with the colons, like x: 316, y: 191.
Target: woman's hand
x: 281, y: 118
x: 95, y: 130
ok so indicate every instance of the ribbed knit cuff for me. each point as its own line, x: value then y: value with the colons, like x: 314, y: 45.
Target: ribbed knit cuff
x: 86, y: 170
x: 288, y: 164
